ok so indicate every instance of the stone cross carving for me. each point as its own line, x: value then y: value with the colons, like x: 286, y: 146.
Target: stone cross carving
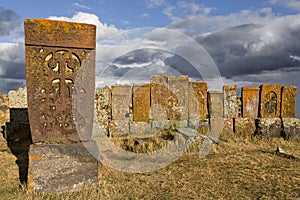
x: 59, y: 55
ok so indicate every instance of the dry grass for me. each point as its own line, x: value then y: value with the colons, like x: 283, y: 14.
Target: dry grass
x: 238, y: 168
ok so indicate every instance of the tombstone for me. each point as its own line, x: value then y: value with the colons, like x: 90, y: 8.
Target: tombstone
x: 270, y: 98
x: 198, y: 100
x: 230, y: 104
x: 268, y: 127
x: 58, y: 55
x: 244, y: 126
x: 121, y: 103
x: 178, y: 97
x: 250, y: 101
x: 215, y: 104
x: 288, y: 101
x: 159, y: 97
x: 60, y: 77
x: 103, y: 108
x: 141, y: 103
x: 291, y: 128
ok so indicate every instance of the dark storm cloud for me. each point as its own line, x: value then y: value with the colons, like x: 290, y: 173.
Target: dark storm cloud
x: 9, y: 22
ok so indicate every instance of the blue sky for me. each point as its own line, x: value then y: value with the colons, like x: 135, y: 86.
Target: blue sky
x: 250, y: 42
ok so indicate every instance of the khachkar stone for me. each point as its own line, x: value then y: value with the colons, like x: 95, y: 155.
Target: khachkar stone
x: 268, y: 127
x: 121, y: 103
x: 230, y: 102
x: 141, y: 103
x: 60, y: 56
x: 250, y: 98
x: 270, y: 97
x: 215, y: 104
x: 178, y: 97
x: 244, y: 126
x: 288, y: 101
x: 291, y: 128
x: 198, y: 100
x: 18, y: 98
x: 159, y: 97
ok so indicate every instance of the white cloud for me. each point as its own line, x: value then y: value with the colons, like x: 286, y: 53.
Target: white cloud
x: 291, y: 4
x: 155, y: 3
x: 144, y: 15
x: 191, y: 7
x: 81, y: 6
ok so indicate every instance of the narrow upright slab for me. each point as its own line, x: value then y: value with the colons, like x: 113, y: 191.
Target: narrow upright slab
x: 215, y: 104
x: 198, y: 100
x: 230, y: 103
x: 60, y: 56
x: 250, y: 98
x: 159, y: 97
x: 178, y: 97
x: 141, y: 103
x: 270, y: 97
x: 288, y: 101
x: 121, y: 102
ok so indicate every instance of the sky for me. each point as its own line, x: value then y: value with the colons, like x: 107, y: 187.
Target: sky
x: 221, y: 42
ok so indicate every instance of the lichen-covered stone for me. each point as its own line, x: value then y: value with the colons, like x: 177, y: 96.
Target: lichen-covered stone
x: 268, y: 127
x: 288, y: 101
x: 202, y: 126
x: 230, y: 103
x: 215, y: 104
x: 103, y: 104
x: 228, y: 125
x: 57, y: 168
x: 140, y: 129
x: 141, y: 103
x: 244, y: 126
x: 270, y: 98
x: 119, y: 127
x: 198, y: 100
x: 18, y: 98
x: 121, y: 102
x: 291, y: 127
x: 250, y: 98
x: 178, y: 97
x: 239, y: 107
x: 159, y: 97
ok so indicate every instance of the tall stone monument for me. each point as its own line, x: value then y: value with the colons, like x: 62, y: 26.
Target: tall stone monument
x: 60, y: 74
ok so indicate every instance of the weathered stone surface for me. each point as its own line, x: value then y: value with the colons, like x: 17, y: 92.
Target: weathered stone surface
x: 141, y: 103
x: 268, y: 127
x: 178, y: 97
x: 228, y: 125
x: 119, y: 127
x: 244, y: 126
x: 239, y: 107
x: 18, y: 98
x: 202, y: 126
x: 159, y: 97
x: 62, y: 167
x: 270, y: 98
x: 230, y: 103
x: 4, y: 116
x: 19, y: 115
x: 60, y: 74
x: 250, y: 98
x: 3, y: 99
x: 288, y: 101
x: 215, y: 104
x: 121, y: 102
x: 103, y: 104
x: 216, y: 127
x: 198, y: 100
x: 291, y: 127
x: 140, y: 129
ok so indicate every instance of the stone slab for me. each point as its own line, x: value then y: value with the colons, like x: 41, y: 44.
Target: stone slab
x: 216, y: 127
x: 59, y: 33
x: 268, y: 127
x: 291, y: 127
x: 244, y: 126
x: 141, y: 129
x: 103, y: 105
x: 239, y: 107
x: 18, y: 98
x: 178, y: 97
x: 230, y: 103
x: 60, y: 74
x: 56, y: 168
x: 121, y: 102
x: 119, y: 128
x: 141, y: 103
x: 202, y: 126
x: 288, y: 101
x: 159, y: 97
x: 270, y: 98
x: 228, y: 126
x: 215, y: 104
x: 198, y: 100
x: 250, y: 98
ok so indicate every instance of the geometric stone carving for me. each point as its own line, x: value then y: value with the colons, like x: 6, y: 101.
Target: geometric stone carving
x: 197, y: 100
x: 250, y: 98
x: 60, y: 74
x: 178, y: 97
x: 57, y: 168
x: 288, y: 101
x: 141, y: 103
x: 18, y: 99
x: 270, y: 98
x: 215, y: 104
x: 230, y: 103
x: 159, y: 97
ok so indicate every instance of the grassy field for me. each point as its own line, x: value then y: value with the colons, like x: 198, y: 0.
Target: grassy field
x: 237, y: 168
